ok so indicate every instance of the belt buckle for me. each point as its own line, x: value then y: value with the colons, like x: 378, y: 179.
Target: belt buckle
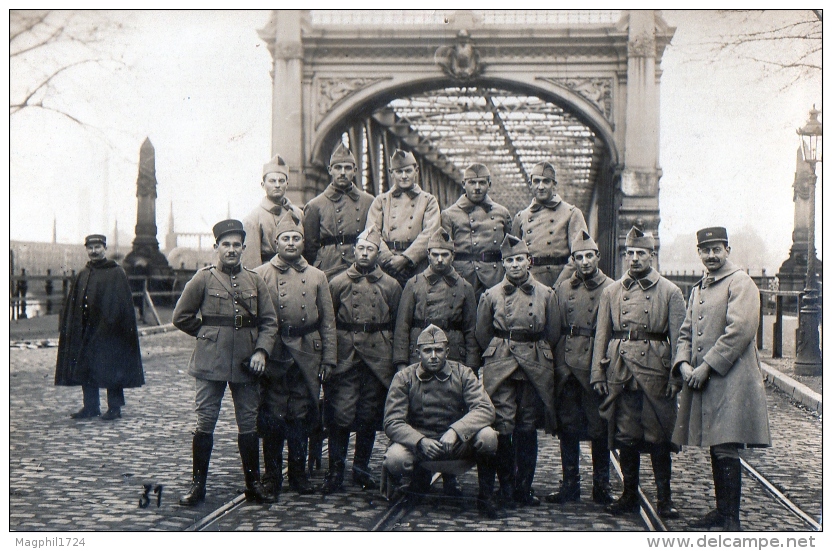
x: 572, y: 330
x: 238, y: 321
x: 630, y: 335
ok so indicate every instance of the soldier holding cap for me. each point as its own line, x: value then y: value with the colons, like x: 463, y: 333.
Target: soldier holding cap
x: 333, y: 219
x: 406, y: 216
x: 261, y: 223
x: 638, y: 326
x: 302, y: 358
x: 577, y: 404
x: 549, y: 225
x: 235, y: 332
x: 518, y: 326
x: 99, y: 344
x: 477, y: 226
x: 723, y: 402
x: 436, y: 414
x: 364, y: 299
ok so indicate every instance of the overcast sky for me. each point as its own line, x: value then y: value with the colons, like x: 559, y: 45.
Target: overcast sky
x: 197, y: 84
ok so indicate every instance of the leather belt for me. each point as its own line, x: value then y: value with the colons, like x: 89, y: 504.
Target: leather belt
x: 364, y: 327
x: 398, y: 245
x: 575, y: 331
x: 229, y: 321
x: 487, y: 256
x: 444, y: 325
x: 289, y: 331
x: 339, y: 239
x: 639, y: 336
x: 549, y: 260
x: 519, y: 335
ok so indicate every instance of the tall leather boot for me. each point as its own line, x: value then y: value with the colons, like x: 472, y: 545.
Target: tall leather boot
x: 601, y: 472
x: 338, y: 441
x: 273, y: 440
x: 661, y: 460
x: 526, y: 458
x: 202, y: 446
x: 732, y: 479
x: 298, y: 440
x: 486, y: 471
x: 570, y: 486
x: 505, y: 470
x: 714, y: 517
x: 365, y: 439
x: 249, y: 447
x: 628, y: 502
x: 419, y: 483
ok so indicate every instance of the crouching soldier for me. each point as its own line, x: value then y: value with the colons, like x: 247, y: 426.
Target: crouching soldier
x: 235, y: 331
x: 302, y: 358
x: 518, y: 326
x: 437, y: 412
x: 364, y: 299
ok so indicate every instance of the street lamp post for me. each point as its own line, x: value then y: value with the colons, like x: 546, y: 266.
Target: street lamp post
x: 809, y: 357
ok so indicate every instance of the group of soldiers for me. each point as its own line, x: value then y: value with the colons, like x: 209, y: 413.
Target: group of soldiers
x: 459, y: 333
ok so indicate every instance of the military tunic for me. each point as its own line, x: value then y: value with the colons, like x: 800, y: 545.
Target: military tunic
x: 638, y: 368
x: 477, y: 231
x: 406, y: 220
x: 365, y: 307
x: 331, y: 224
x: 549, y: 230
x: 531, y: 308
x: 306, y: 337
x: 446, y: 301
x: 577, y: 403
x: 261, y: 230
x: 720, y: 329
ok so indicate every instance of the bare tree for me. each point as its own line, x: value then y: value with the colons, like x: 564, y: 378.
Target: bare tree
x: 47, y: 47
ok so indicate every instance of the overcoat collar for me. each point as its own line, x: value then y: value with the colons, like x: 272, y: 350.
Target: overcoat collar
x: 268, y: 205
x: 413, y: 192
x: 727, y: 269
x: 451, y: 278
x: 283, y: 266
x: 442, y: 375
x: 465, y: 204
x: 645, y: 282
x: 591, y: 283
x: 334, y: 194
x: 526, y: 286
x: 550, y: 204
x: 372, y: 277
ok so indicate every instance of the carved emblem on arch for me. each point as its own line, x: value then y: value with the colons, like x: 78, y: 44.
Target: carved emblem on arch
x: 597, y: 91
x: 330, y: 91
x: 460, y: 61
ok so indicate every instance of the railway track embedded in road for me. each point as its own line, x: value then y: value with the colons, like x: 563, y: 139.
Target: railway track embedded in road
x: 781, y: 498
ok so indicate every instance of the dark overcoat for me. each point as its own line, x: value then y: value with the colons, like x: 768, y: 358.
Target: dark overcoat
x: 99, y: 343
x: 720, y: 329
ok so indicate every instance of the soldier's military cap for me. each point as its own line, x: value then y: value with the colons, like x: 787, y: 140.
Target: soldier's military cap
x: 476, y: 170
x: 95, y: 238
x: 432, y: 335
x: 441, y: 239
x: 289, y: 222
x: 512, y: 246
x: 228, y: 226
x: 277, y: 164
x: 639, y: 239
x: 707, y: 235
x: 584, y: 243
x: 545, y: 169
x: 371, y: 235
x: 341, y: 155
x: 401, y: 159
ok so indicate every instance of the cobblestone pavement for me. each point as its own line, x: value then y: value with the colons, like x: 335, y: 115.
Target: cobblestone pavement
x: 88, y: 475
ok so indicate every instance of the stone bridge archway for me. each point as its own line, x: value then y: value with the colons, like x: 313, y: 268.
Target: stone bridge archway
x: 333, y: 70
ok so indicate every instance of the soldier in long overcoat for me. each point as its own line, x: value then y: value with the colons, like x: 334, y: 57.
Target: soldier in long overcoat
x: 99, y: 343
x: 518, y: 326
x: 333, y: 219
x: 406, y: 216
x: 365, y: 300
x: 438, y: 296
x: 549, y: 225
x: 477, y: 226
x: 723, y: 403
x: 576, y: 402
x: 229, y: 311
x: 436, y: 414
x: 638, y: 325
x: 303, y: 355
x: 261, y: 223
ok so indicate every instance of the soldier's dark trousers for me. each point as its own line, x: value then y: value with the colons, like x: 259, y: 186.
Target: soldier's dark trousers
x: 92, y: 400
x: 365, y: 439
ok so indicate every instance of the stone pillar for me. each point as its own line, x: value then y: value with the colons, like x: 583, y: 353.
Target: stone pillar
x: 640, y: 176
x: 287, y: 97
